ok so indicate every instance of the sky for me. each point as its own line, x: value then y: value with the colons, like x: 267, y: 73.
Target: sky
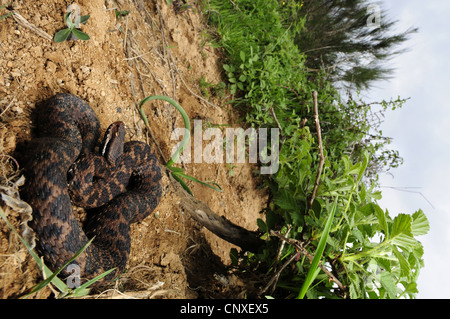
x: 421, y: 132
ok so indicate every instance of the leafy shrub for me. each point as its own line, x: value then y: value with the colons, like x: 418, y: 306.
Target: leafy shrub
x: 369, y: 253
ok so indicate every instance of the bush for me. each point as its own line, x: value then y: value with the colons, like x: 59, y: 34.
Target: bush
x: 368, y: 254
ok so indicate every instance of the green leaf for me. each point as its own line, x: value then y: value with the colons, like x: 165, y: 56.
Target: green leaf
x: 405, y: 269
x: 401, y: 225
x: 381, y: 219
x: 122, y: 13
x: 62, y: 35
x: 176, y: 169
x: 388, y: 284
x: 234, y: 256
x: 410, y: 288
x: 401, y: 232
x: 68, y: 20
x: 363, y: 166
x: 228, y: 68
x: 404, y: 241
x: 261, y: 225
x: 242, y: 56
x: 187, y: 124
x: 420, y: 223
x: 80, y: 35
x: 285, y: 199
x: 314, y: 269
x: 182, y: 183
x: 84, y: 288
x: 83, y: 19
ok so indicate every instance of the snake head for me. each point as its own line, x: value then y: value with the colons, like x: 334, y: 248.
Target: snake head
x: 112, y: 146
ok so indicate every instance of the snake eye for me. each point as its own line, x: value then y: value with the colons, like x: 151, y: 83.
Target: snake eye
x: 70, y: 174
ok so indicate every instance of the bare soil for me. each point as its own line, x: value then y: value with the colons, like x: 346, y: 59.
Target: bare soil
x: 156, y: 49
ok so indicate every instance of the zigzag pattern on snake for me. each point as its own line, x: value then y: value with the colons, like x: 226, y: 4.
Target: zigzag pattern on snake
x: 69, y: 129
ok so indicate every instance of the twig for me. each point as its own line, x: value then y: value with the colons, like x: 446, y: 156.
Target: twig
x: 321, y: 156
x: 299, y: 246
x: 280, y: 251
x: 23, y: 22
x: 7, y: 107
x: 407, y: 189
x: 218, y: 225
x: 272, y: 112
x: 273, y: 281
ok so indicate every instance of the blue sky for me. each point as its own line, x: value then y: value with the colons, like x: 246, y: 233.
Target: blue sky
x: 421, y: 132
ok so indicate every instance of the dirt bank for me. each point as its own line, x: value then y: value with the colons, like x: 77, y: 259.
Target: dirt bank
x: 155, y: 49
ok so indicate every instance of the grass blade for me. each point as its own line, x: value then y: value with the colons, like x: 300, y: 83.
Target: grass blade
x: 313, y: 270
x: 83, y: 289
x: 187, y: 124
x: 56, y: 281
x: 177, y: 173
x: 212, y: 185
x: 182, y: 183
x: 53, y: 275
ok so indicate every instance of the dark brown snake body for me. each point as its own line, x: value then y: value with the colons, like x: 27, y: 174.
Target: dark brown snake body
x: 69, y: 129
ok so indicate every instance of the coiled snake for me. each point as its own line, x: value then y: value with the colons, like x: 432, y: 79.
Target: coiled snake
x: 119, y: 188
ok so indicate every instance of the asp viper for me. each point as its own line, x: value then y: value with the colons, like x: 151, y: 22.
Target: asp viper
x: 120, y: 187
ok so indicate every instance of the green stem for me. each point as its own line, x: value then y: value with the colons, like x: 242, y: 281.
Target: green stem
x: 374, y: 252
x: 187, y: 124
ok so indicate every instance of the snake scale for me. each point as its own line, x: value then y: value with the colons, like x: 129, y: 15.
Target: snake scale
x: 119, y: 188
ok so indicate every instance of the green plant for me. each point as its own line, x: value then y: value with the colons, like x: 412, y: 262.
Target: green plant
x: 314, y: 269
x: 231, y: 168
x: 177, y: 173
x: 371, y: 254
x: 5, y: 15
x: 365, y: 256
x: 120, y: 14
x: 51, y: 277
x: 73, y: 24
x: 210, y: 89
